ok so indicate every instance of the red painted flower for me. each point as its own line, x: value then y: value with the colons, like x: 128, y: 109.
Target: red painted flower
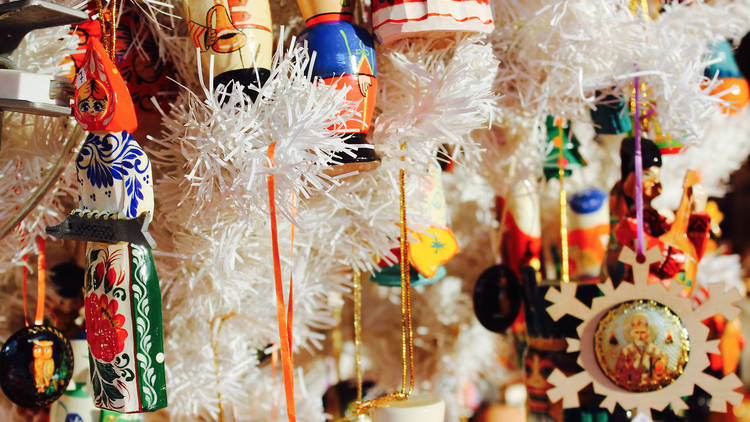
x: 104, y: 327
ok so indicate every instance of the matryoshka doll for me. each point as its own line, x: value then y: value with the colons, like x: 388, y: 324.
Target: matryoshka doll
x: 345, y: 58
x: 396, y: 19
x: 237, y: 33
x: 121, y: 290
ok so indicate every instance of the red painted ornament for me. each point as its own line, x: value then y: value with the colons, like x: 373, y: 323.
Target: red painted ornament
x: 102, y: 102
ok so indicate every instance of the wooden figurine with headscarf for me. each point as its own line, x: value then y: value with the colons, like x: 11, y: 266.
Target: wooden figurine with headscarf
x: 115, y: 204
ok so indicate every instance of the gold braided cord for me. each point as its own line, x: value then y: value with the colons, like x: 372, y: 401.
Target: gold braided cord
x: 108, y: 22
x: 564, y: 227
x: 407, y: 333
x: 358, y: 332
x: 215, y: 347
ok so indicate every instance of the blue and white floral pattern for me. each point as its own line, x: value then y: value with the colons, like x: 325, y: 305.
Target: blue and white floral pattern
x: 115, y: 175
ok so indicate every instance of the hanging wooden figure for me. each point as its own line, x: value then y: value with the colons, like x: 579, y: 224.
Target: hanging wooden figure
x: 121, y: 288
x: 345, y: 58
x: 396, y: 19
x: 682, y: 242
x: 237, y: 34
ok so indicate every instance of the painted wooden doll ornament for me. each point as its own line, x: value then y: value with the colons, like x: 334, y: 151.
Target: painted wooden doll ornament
x: 345, y: 58
x: 429, y: 247
x: 121, y: 290
x: 396, y: 19
x: 237, y: 34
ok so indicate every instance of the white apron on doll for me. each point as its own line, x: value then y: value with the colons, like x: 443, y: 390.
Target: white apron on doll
x: 121, y: 290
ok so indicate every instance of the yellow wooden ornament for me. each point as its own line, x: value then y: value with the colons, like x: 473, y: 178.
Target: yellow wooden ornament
x: 434, y: 246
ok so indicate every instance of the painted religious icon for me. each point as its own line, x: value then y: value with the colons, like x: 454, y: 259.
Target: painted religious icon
x: 641, y: 345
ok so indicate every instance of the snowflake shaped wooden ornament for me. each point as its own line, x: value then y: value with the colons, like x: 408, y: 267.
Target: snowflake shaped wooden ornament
x: 642, y: 345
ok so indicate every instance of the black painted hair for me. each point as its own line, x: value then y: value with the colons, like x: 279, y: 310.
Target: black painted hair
x: 650, y: 152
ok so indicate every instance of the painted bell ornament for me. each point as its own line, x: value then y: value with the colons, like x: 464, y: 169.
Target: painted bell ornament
x: 396, y: 19
x: 345, y: 58
x: 237, y: 34
x: 36, y: 365
x: 423, y: 408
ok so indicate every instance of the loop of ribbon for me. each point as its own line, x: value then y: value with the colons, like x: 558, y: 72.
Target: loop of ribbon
x: 41, y: 283
x: 285, y: 322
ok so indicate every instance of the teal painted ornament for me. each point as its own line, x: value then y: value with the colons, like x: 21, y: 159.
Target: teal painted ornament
x: 611, y: 116
x: 391, y: 276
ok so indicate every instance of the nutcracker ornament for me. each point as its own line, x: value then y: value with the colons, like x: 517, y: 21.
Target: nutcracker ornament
x: 345, y: 59
x: 237, y: 35
x: 115, y: 204
x: 396, y: 19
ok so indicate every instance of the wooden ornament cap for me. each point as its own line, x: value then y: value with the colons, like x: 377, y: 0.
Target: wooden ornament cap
x: 423, y: 408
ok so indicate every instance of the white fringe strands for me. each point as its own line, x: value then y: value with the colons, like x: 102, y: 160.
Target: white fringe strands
x: 556, y: 54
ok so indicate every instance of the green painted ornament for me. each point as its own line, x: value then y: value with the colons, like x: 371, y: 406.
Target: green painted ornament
x: 559, y: 136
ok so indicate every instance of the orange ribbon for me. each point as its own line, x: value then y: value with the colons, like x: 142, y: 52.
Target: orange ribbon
x: 285, y: 323
x: 41, y: 271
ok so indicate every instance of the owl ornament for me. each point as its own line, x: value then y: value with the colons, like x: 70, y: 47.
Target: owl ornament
x: 345, y: 59
x: 115, y: 203
x: 36, y: 364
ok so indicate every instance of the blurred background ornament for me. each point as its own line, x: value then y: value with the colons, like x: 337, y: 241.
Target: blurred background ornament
x: 76, y: 404
x: 28, y: 92
x: 733, y: 87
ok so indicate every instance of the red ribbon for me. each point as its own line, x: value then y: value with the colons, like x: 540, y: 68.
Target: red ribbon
x: 285, y: 323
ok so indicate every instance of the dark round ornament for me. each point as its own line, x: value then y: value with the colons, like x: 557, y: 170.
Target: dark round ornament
x: 497, y: 298
x: 36, y: 364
